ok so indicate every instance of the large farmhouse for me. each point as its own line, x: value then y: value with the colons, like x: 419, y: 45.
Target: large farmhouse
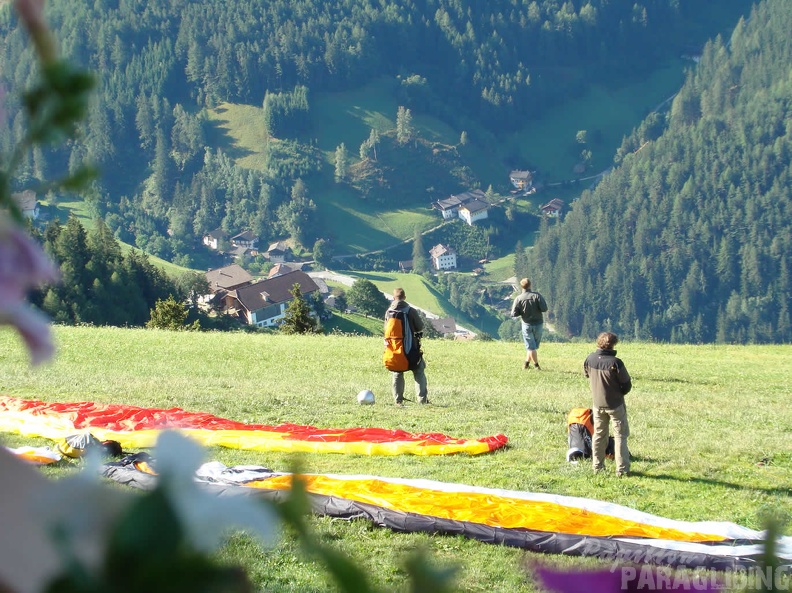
x: 264, y: 303
x: 470, y: 206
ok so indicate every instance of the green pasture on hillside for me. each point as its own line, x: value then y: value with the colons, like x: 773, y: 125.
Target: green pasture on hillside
x: 609, y: 113
x: 240, y: 132
x: 421, y: 294
x: 710, y: 431
x: 500, y: 269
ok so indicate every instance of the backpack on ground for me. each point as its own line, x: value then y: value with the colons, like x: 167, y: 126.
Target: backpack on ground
x: 402, y: 348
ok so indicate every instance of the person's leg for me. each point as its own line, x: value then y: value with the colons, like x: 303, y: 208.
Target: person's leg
x: 621, y: 430
x: 537, y: 331
x: 525, y: 330
x: 397, y: 387
x: 419, y: 374
x: 599, y: 439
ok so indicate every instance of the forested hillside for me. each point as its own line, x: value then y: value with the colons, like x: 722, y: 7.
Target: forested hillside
x: 690, y: 238
x: 159, y: 65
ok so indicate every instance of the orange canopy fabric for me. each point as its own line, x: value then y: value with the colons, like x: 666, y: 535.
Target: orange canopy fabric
x: 134, y: 426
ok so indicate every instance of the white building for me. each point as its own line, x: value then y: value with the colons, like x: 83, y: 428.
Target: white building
x: 443, y: 257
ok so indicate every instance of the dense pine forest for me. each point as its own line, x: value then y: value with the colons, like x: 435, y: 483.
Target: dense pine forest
x: 687, y: 239
x: 690, y: 238
x: 164, y: 185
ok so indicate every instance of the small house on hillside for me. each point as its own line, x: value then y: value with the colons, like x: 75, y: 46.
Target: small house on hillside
x: 406, y: 265
x: 28, y: 203
x: 264, y: 303
x: 280, y: 270
x: 445, y: 326
x: 245, y: 239
x: 522, y: 180
x: 214, y: 238
x: 552, y: 208
x: 443, y: 257
x: 279, y: 252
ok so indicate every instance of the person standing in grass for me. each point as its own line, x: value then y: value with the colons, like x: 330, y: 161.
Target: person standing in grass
x: 610, y: 382
x: 529, y: 306
x: 419, y: 372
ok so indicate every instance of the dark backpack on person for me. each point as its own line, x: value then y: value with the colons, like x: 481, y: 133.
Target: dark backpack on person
x: 402, y: 348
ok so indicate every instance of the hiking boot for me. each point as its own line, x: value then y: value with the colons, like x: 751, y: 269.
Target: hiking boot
x: 623, y: 474
x: 424, y: 401
x: 538, y: 368
x: 526, y: 365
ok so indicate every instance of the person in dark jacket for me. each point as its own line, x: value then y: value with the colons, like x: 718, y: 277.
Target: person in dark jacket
x: 529, y: 306
x: 610, y: 382
x: 419, y: 372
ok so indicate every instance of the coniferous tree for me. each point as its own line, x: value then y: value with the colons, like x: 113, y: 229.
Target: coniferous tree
x: 404, y: 126
x: 341, y: 162
x: 420, y: 263
x: 297, y: 318
x: 168, y: 314
x: 521, y: 269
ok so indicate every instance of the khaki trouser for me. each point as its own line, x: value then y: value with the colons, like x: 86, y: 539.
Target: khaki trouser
x: 621, y: 430
x: 419, y: 375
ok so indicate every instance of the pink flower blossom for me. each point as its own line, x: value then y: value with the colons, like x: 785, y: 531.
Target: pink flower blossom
x: 32, y: 14
x: 24, y: 266
x: 2, y: 102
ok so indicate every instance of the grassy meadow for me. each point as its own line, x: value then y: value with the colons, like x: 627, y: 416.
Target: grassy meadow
x: 702, y: 418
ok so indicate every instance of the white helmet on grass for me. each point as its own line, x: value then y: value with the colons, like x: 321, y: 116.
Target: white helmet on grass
x: 365, y: 397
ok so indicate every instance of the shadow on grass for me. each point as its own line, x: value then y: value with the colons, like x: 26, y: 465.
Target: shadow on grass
x: 710, y: 482
x: 221, y: 138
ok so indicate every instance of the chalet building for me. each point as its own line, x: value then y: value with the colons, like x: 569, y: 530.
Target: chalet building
x: 213, y: 239
x: 28, y: 203
x: 245, y: 239
x: 443, y: 257
x: 552, y: 208
x: 470, y: 206
x: 280, y: 270
x: 264, y: 303
x: 279, y: 252
x: 522, y: 180
x: 445, y: 326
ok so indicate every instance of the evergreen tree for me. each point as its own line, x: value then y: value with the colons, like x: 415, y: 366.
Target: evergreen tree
x: 521, y: 266
x: 404, y: 127
x: 297, y: 318
x: 341, y: 162
x: 341, y: 301
x: 168, y: 314
x: 420, y: 263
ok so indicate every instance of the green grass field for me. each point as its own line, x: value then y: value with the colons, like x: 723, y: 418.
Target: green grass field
x: 607, y: 114
x: 701, y: 418
x: 421, y: 294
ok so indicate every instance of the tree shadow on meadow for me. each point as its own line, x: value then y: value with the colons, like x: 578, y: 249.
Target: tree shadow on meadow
x: 708, y: 481
x: 219, y: 136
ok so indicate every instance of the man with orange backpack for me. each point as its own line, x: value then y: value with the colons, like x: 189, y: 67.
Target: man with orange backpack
x: 403, y: 330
